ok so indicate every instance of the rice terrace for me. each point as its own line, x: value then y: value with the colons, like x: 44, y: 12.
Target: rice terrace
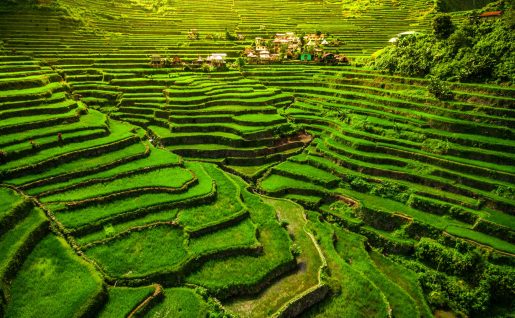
x: 243, y: 158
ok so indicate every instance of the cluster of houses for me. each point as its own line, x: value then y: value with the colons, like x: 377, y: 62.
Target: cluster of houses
x: 284, y: 46
x: 310, y: 47
x: 215, y: 59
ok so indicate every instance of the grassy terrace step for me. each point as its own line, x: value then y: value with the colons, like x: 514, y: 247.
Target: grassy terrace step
x: 228, y: 205
x: 359, y: 297
x: 230, y: 276
x: 29, y: 122
x: 27, y: 82
x: 51, y: 273
x: 277, y: 185
x: 296, y: 284
x: 17, y: 243
x: 475, y: 151
x: 221, y: 151
x: 93, y: 218
x: 181, y: 302
x: 388, y: 171
x: 172, y: 178
x: 30, y: 93
x: 122, y: 300
x: 384, y: 146
x: 402, y: 158
x: 481, y: 238
x: 57, y: 97
x: 414, y: 125
x: 120, y: 136
x: 173, y: 258
x: 400, y: 107
x: 344, y: 173
x: 135, y: 159
x: 256, y: 119
x: 48, y: 109
x: 306, y: 173
x: 350, y: 247
x: 10, y: 200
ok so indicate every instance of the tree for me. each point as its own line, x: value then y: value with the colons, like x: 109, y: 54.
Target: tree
x: 443, y: 26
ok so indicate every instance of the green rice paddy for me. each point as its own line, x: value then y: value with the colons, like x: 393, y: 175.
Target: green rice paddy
x: 259, y: 190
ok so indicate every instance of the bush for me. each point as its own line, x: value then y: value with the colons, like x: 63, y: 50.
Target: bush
x: 443, y: 26
x: 474, y: 52
x: 440, y: 89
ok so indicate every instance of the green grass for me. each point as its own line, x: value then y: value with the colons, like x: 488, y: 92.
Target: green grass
x: 180, y: 302
x: 9, y: 200
x: 276, y: 183
x: 404, y: 278
x: 157, y: 157
x: 351, y: 247
x: 285, y: 289
x: 481, y: 238
x: 160, y: 216
x: 122, y: 300
x: 118, y: 131
x: 312, y: 174
x: 366, y: 124
x: 103, y: 211
x: 227, y: 204
x: 141, y: 252
x: 51, y: 274
x: 174, y: 177
x: 220, y: 275
x: 242, y: 234
x: 358, y: 296
x: 14, y: 239
x: 92, y: 120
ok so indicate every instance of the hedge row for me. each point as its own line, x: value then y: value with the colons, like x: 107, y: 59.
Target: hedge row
x: 389, y: 245
x: 441, y: 208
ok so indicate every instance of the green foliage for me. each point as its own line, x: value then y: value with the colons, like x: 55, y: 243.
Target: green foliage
x: 458, y: 5
x: 475, y: 52
x: 442, y: 26
x: 449, y: 260
x: 436, y: 146
x: 440, y: 89
x: 493, y: 289
x: 505, y: 192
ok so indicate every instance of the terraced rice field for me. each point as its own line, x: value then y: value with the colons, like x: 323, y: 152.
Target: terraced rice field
x: 270, y: 190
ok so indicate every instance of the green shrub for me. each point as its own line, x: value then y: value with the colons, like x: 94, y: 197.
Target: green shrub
x: 474, y: 52
x: 442, y: 26
x: 440, y: 89
x: 436, y: 146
